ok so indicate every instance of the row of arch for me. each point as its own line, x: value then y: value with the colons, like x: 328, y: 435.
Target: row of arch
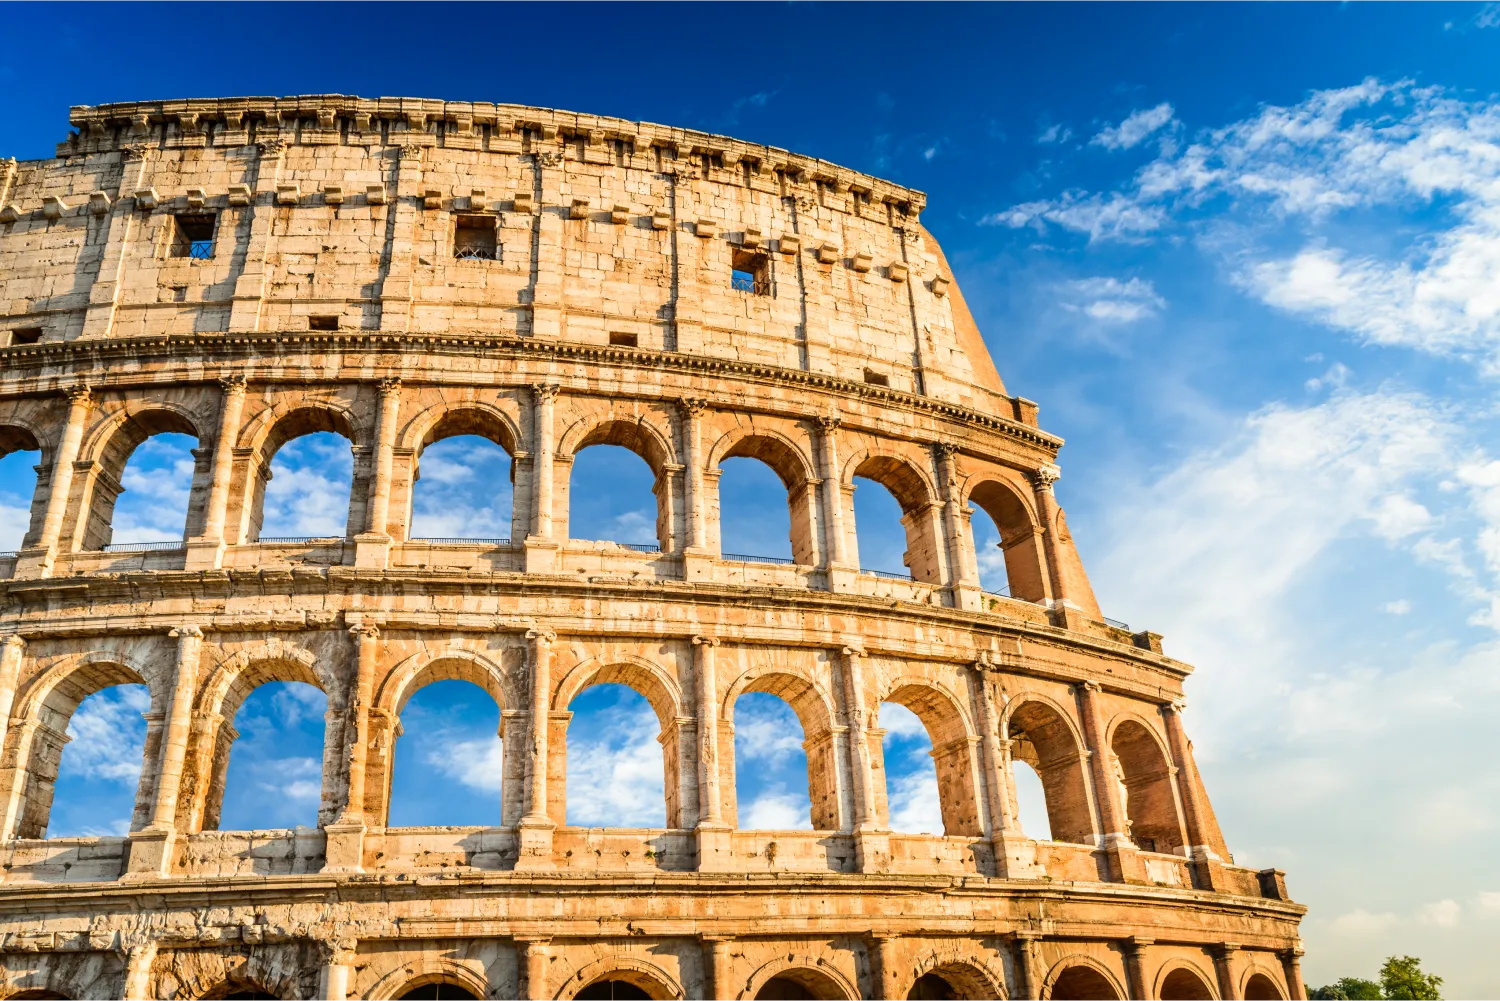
x: 793, y: 976
x: 1040, y: 731
x: 800, y: 454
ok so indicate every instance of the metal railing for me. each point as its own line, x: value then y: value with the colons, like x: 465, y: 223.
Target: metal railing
x: 463, y: 542
x: 294, y: 540
x: 640, y: 547
x: 742, y: 558
x: 742, y: 282
x: 201, y: 250
x: 1004, y: 592
x: 476, y: 253
x: 141, y: 547
x: 887, y: 573
x: 9, y: 556
x: 1116, y: 623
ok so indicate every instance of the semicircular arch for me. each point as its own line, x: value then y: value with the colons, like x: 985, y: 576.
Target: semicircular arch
x: 1063, y: 966
x: 912, y: 486
x: 425, y: 971
x: 20, y: 434
x: 241, y: 672
x: 1201, y: 984
x: 640, y: 435
x: 272, y: 427
x: 428, y: 667
x: 648, y: 976
x: 786, y: 457
x: 1260, y: 983
x: 120, y: 430
x: 87, y: 672
x: 638, y: 674
x: 470, y: 417
x: 817, y: 976
x: 970, y: 975
x: 813, y: 704
x: 939, y: 708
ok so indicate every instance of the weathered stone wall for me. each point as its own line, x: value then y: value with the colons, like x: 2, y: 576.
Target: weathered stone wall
x: 605, y: 315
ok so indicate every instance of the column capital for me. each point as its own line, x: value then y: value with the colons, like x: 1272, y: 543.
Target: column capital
x: 1043, y: 477
x: 545, y: 392
x: 829, y: 422
x: 1225, y: 949
x: 233, y: 385
x: 541, y: 636
x: 365, y: 630
x: 691, y: 407
x: 77, y: 394
x: 946, y: 449
x: 14, y: 640
x: 1139, y: 942
x: 390, y: 385
x: 1175, y: 706
x: 706, y: 641
x: 194, y: 632
x: 852, y: 651
x: 1090, y: 686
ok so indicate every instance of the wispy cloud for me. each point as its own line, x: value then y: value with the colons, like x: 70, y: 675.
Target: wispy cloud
x: 108, y: 735
x: 1136, y: 128
x: 615, y: 775
x: 309, y: 490
x: 1055, y: 133
x: 1111, y: 301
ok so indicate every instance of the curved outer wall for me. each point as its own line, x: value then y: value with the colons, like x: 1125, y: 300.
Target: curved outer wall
x: 604, y: 314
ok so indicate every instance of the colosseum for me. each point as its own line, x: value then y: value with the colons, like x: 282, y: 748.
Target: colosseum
x: 398, y: 271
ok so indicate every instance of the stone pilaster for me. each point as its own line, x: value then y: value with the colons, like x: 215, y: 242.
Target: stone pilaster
x: 345, y: 852
x: 37, y: 561
x: 534, y: 833
x: 541, y: 545
x: 207, y: 551
x: 373, y: 547
x: 151, y: 848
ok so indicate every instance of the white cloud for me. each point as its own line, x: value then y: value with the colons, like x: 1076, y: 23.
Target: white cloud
x: 478, y: 764
x: 1488, y: 903
x: 297, y: 779
x: 1135, y: 129
x: 913, y: 799
x: 1111, y: 301
x: 617, y: 781
x: 1054, y: 134
x: 901, y: 723
x: 309, y: 490
x: 1442, y: 913
x: 776, y: 810
x: 1398, y: 607
x: 765, y: 735
x: 1103, y: 217
x: 1336, y: 377
x: 109, y: 735
x: 1360, y: 923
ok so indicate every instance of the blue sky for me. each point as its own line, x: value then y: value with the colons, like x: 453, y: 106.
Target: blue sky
x: 1247, y: 258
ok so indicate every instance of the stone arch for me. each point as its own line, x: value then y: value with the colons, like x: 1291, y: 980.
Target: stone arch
x: 817, y: 976
x: 1015, y: 517
x: 791, y: 464
x: 816, y: 711
x: 264, y: 435
x: 17, y: 435
x: 1180, y: 980
x: 970, y: 976
x: 229, y: 683
x: 915, y: 492
x: 1260, y: 985
x: 1141, y: 763
x: 35, y: 740
x: 403, y: 681
x: 445, y: 420
x: 649, y: 977
x: 1044, y: 735
x: 424, y: 971
x: 639, y: 435
x: 108, y: 447
x: 954, y: 750
x: 1081, y: 978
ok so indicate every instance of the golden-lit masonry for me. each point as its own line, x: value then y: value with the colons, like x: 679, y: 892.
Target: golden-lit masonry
x: 399, y: 271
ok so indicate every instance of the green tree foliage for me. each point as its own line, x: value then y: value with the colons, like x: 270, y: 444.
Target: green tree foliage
x: 1347, y: 989
x: 1402, y: 978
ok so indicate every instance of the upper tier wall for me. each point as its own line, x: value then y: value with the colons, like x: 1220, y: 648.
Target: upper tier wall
x: 348, y: 210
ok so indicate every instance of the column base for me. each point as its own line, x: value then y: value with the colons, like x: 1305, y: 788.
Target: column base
x: 872, y: 850
x: 842, y: 580
x: 34, y: 563
x: 968, y: 597
x: 715, y: 852
x: 345, y: 848
x: 204, y: 554
x: 1208, y: 869
x: 372, y: 551
x: 149, y: 854
x: 697, y: 564
x: 1015, y: 857
x: 1125, y: 862
x: 534, y: 845
x: 542, y: 554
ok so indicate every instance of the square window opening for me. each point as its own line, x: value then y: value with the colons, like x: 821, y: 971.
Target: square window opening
x: 193, y: 236
x: 875, y: 378
x: 322, y: 323
x: 750, y: 271
x: 26, y: 335
x: 474, y: 238
x: 623, y: 340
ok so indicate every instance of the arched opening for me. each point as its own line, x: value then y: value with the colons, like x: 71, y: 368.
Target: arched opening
x: 616, y: 760
x: 232, y: 990
x: 141, y: 487
x: 931, y: 987
x: 952, y: 980
x: 448, y: 765
x: 1019, y: 539
x: 41, y: 748
x: 610, y: 498
x: 799, y: 983
x: 895, y: 525
x: 814, y: 728
x: 438, y: 990
x: 935, y: 789
x: 1083, y: 983
x: 754, y: 518
x: 751, y: 501
x: 612, y: 989
x: 1183, y: 984
x: 272, y: 742
x: 1031, y: 802
x: 99, y: 774
x: 1043, y: 739
x: 770, y: 779
x: 1144, y: 782
x: 463, y: 479
x: 38, y: 994
x: 1262, y: 988
x: 20, y: 456
x: 911, y: 783
x: 302, y: 486
x: 989, y: 553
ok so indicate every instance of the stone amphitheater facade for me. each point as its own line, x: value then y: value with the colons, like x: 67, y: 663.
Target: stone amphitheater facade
x: 399, y: 271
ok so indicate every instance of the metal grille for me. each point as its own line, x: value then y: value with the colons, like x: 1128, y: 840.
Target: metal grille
x: 1116, y: 623
x: 201, y: 250
x: 744, y: 281
x: 886, y: 573
x: 141, y: 547
x: 294, y: 540
x: 464, y: 542
x: 742, y: 558
x: 476, y: 254
x: 640, y: 547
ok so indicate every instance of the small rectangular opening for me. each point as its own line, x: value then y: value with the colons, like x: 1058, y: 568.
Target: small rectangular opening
x: 474, y: 238
x: 875, y: 378
x: 322, y: 323
x: 193, y: 236
x: 750, y: 271
x: 622, y: 339
x: 26, y: 335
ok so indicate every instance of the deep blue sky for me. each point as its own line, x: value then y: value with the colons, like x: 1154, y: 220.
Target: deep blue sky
x: 1254, y: 292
